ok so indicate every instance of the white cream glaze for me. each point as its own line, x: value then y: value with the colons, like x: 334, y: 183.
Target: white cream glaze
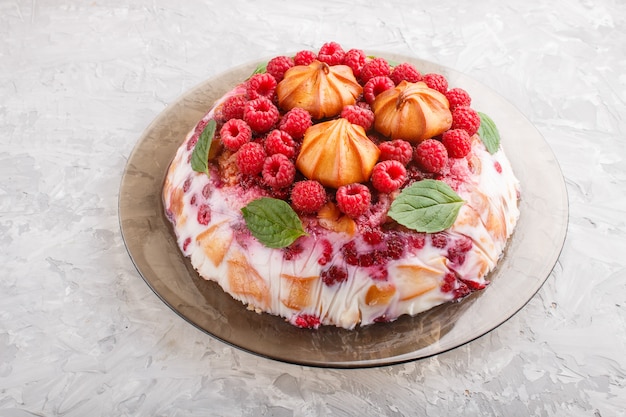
x: 256, y: 275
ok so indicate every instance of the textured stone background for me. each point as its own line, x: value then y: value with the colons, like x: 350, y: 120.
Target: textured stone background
x: 81, y: 334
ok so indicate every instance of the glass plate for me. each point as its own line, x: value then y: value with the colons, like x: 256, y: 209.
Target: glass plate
x: 531, y: 254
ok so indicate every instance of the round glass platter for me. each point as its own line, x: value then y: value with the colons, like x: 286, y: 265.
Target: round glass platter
x: 526, y: 264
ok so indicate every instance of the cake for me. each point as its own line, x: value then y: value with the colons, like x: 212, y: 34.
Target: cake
x: 336, y: 188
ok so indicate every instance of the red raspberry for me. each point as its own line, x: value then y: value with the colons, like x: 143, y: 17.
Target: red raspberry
x: 186, y: 244
x: 260, y: 114
x: 359, y: 115
x: 280, y: 142
x: 372, y: 236
x: 388, y: 176
x: 436, y: 82
x: 376, y: 85
x: 416, y: 241
x: 334, y: 275
x: 261, y: 85
x: 465, y: 118
x: 353, y: 199
x: 405, y: 71
x: 397, y: 150
x: 250, y: 158
x: 304, y: 57
x: 278, y: 66
x: 374, y: 68
x: 449, y: 281
x: 278, y: 171
x: 456, y: 253
x: 431, y: 155
x: 331, y: 53
x: 458, y: 97
x: 233, y: 108
x: 439, y: 240
x: 204, y: 214
x: 327, y: 252
x: 355, y: 59
x: 307, y: 321
x: 498, y: 167
x: 457, y: 143
x: 349, y: 253
x: 308, y: 196
x: 395, y: 246
x: 235, y: 133
x: 295, y: 122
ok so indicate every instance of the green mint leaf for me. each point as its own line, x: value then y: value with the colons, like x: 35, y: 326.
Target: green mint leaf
x: 428, y: 206
x: 260, y: 69
x: 273, y: 222
x: 488, y: 133
x: 200, y: 155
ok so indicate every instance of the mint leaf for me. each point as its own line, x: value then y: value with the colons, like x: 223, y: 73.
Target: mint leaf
x: 428, y: 206
x: 260, y: 69
x: 200, y: 155
x: 273, y: 222
x: 488, y: 133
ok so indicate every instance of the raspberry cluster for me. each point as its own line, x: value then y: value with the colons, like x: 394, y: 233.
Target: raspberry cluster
x: 265, y: 140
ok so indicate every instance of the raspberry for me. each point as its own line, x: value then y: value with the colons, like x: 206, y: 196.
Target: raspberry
x: 250, y: 158
x: 327, y: 252
x: 439, y: 240
x: 448, y: 282
x: 304, y: 57
x: 261, y: 85
x: 308, y: 196
x: 376, y: 85
x: 334, y: 275
x: 280, y: 142
x: 388, y: 176
x: 417, y: 241
x: 395, y: 246
x: 235, y: 133
x: 204, y: 214
x: 436, y: 82
x: 292, y: 251
x: 331, y: 53
x: 431, y: 155
x: 278, y: 171
x: 372, y: 236
x: 350, y: 254
x: 498, y: 167
x: 233, y: 108
x: 295, y: 122
x: 458, y: 97
x: 374, y: 68
x: 307, y: 321
x: 457, y: 143
x: 359, y: 115
x: 456, y: 253
x: 278, y: 66
x: 186, y: 244
x: 353, y: 199
x: 405, y: 71
x: 397, y: 150
x: 260, y: 114
x: 465, y: 118
x: 355, y: 59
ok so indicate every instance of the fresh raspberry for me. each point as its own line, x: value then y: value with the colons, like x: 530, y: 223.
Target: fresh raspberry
x: 278, y: 141
x: 461, y: 291
x: 334, y: 275
x: 372, y: 235
x: 308, y: 196
x: 439, y: 240
x: 278, y: 66
x: 250, y: 158
x: 374, y: 257
x: 397, y: 150
x: 359, y: 115
x: 395, y: 246
x: 261, y: 85
x: 436, y: 82
x: 261, y: 114
x: 457, y: 143
x: 292, y: 251
x: 449, y: 282
x: 465, y: 118
x: 456, y: 253
x: 474, y: 285
x: 374, y: 68
x: 350, y: 254
x: 376, y: 85
x: 498, y: 167
x: 186, y: 244
x: 416, y: 241
x: 353, y: 199
x: 388, y: 176
x: 331, y: 53
x: 355, y: 59
x: 295, y: 122
x: 235, y: 133
x: 405, y: 71
x: 304, y: 57
x: 327, y: 252
x: 431, y: 155
x: 307, y: 321
x: 204, y: 214
x: 278, y: 171
x: 233, y: 107
x: 458, y: 97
